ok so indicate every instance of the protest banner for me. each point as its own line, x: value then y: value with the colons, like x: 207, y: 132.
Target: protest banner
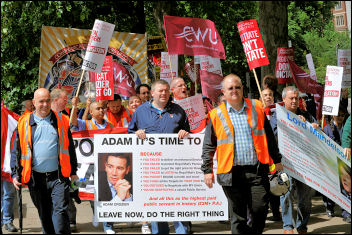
x: 332, y: 90
x: 194, y: 109
x: 164, y: 176
x: 282, y: 72
x: 253, y: 47
x: 9, y: 122
x: 62, y: 52
x: 104, y: 81
x: 344, y: 60
x: 311, y: 157
x: 311, y: 67
x: 97, y: 46
x: 252, y: 43
x: 210, y: 64
x: 123, y: 80
x: 192, y: 36
x: 84, y: 146
x: 168, y: 67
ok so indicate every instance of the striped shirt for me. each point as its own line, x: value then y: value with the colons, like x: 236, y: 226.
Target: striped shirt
x: 245, y: 153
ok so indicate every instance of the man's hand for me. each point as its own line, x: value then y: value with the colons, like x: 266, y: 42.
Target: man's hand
x: 302, y: 118
x: 122, y: 188
x: 74, y: 178
x: 279, y: 167
x: 88, y: 102
x: 315, y: 126
x: 141, y: 134
x: 16, y: 184
x: 347, y: 152
x: 209, y: 179
x: 182, y: 134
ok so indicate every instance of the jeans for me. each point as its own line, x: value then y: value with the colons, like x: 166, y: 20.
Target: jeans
x: 106, y: 225
x: 8, y: 193
x: 163, y: 227
x: 304, y: 206
x: 50, y: 195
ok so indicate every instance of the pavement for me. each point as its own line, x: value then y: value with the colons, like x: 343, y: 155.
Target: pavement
x: 319, y: 222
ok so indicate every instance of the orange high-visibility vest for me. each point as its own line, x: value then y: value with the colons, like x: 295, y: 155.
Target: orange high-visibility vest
x: 24, y: 132
x: 123, y: 122
x: 225, y: 135
x: 90, y: 125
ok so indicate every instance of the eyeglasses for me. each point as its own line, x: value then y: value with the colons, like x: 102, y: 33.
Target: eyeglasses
x: 235, y: 87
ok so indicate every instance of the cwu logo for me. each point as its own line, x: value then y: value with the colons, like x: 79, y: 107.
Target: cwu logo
x: 188, y: 33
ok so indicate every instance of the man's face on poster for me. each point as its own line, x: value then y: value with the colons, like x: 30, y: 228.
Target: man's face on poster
x: 345, y: 180
x: 116, y: 168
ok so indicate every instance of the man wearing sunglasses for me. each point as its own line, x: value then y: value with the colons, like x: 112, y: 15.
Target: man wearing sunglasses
x: 245, y: 151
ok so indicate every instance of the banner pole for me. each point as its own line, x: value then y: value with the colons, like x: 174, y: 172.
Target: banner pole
x: 260, y: 91
x: 322, y: 122
x: 172, y: 76
x: 77, y: 92
x: 195, y: 75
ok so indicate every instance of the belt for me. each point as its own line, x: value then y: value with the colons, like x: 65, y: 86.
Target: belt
x: 48, y: 175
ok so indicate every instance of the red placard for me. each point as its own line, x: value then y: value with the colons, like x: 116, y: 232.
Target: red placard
x: 124, y: 83
x: 104, y: 81
x: 283, y: 72
x: 252, y: 43
x: 192, y: 36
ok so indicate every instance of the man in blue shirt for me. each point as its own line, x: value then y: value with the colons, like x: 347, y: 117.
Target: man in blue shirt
x: 160, y: 116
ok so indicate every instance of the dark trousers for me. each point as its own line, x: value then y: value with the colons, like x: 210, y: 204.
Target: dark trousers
x: 250, y: 188
x: 275, y: 205
x: 50, y: 196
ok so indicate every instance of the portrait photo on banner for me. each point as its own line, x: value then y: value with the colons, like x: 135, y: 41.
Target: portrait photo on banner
x: 344, y: 178
x: 115, y: 177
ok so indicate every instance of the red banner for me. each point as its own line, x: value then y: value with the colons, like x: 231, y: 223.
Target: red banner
x: 124, y: 83
x: 252, y: 43
x: 192, y: 36
x: 283, y: 72
x: 307, y: 85
x: 104, y: 81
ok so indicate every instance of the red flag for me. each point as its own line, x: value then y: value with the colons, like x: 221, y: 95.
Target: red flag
x: 252, y: 43
x: 124, y: 83
x: 193, y: 36
x: 306, y: 85
x: 211, y: 84
x: 9, y: 121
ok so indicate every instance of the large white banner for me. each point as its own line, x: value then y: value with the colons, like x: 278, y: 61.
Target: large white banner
x: 332, y: 91
x: 156, y: 179
x: 97, y: 46
x: 313, y: 158
x: 194, y: 109
x: 344, y: 60
x: 166, y: 67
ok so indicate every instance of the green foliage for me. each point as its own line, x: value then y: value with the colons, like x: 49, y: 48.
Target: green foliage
x: 323, y: 47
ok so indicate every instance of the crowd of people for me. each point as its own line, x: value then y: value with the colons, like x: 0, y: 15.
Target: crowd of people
x: 240, y: 133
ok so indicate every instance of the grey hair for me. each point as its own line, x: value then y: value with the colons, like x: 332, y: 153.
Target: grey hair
x: 56, y: 93
x: 289, y: 88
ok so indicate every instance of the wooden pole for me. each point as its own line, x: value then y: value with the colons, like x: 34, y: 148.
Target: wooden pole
x: 322, y: 122
x: 172, y: 76
x: 260, y: 91
x: 195, y: 75
x: 77, y: 92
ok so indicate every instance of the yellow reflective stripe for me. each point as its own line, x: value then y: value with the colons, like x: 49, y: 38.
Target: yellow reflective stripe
x: 226, y: 128
x: 272, y: 167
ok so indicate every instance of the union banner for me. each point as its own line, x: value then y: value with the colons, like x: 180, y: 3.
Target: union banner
x: 62, y: 51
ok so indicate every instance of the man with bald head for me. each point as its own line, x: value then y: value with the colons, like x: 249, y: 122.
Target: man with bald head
x: 245, y: 148
x: 96, y: 110
x: 47, y: 162
x: 178, y: 88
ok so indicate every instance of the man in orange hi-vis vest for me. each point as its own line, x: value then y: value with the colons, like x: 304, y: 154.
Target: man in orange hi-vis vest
x: 117, y: 114
x: 47, y: 160
x: 245, y: 148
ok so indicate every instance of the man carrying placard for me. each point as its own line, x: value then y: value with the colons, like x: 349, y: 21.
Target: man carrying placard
x: 244, y: 143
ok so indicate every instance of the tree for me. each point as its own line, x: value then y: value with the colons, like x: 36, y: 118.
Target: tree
x: 273, y: 28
